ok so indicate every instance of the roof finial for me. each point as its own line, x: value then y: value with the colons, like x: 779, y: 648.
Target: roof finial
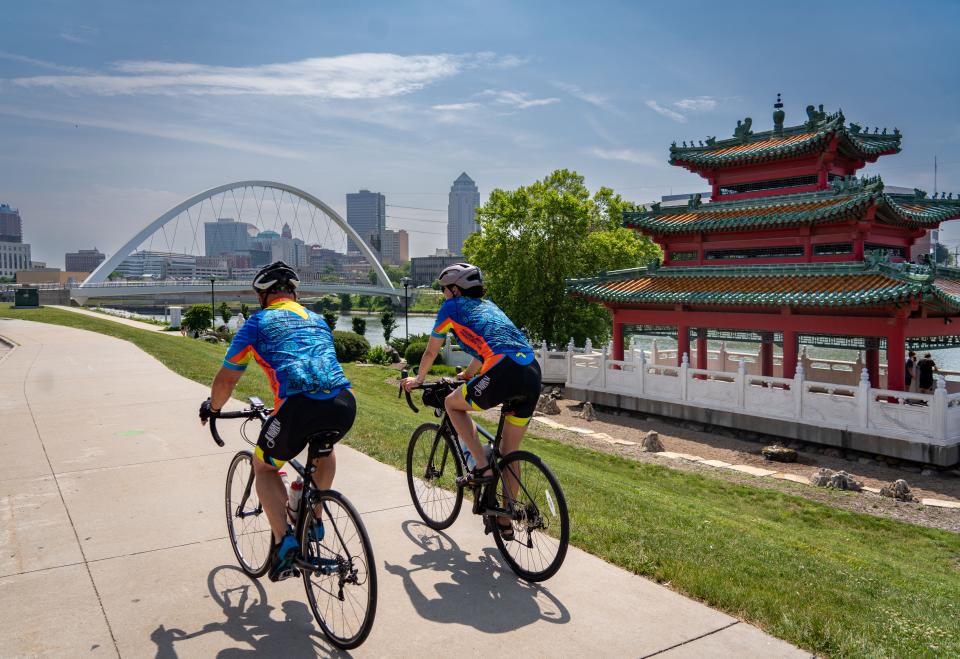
x: 778, y: 115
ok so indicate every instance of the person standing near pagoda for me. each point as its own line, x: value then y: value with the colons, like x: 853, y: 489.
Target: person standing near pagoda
x: 910, y: 373
x: 925, y: 370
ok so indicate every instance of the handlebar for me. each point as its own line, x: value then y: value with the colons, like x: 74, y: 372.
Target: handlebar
x: 249, y: 413
x: 403, y: 376
x: 442, y: 382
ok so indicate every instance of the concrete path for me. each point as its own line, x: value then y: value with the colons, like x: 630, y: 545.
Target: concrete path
x: 117, y: 319
x: 113, y: 541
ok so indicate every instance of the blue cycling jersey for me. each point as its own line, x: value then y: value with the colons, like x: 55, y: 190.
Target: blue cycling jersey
x: 483, y: 331
x: 294, y: 347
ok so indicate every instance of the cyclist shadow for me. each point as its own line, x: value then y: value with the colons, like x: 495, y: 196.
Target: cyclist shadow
x: 248, y: 622
x: 485, y: 594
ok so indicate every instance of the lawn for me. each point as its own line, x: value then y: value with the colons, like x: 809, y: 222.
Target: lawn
x: 830, y: 581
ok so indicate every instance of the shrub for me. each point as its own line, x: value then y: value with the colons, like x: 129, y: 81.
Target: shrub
x: 225, y: 312
x: 197, y: 318
x: 400, y: 343
x: 359, y: 325
x: 414, y: 353
x: 389, y: 322
x: 331, y: 318
x: 349, y: 346
x: 378, y: 355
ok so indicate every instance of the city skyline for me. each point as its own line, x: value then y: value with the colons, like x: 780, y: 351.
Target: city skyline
x: 106, y: 126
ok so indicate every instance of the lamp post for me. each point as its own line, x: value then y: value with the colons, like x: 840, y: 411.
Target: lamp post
x: 406, y: 306
x: 213, y: 308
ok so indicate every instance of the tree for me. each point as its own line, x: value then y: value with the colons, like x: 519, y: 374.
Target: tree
x: 372, y: 277
x: 389, y: 322
x: 346, y: 303
x: 331, y: 318
x: 197, y: 318
x: 114, y: 276
x: 359, y: 325
x: 245, y: 311
x: 363, y: 302
x: 534, y: 238
x: 225, y: 312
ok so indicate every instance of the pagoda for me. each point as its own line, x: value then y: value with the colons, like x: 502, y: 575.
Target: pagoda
x: 792, y: 248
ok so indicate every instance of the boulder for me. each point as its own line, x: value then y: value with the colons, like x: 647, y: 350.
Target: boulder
x: 837, y: 480
x: 822, y: 477
x: 898, y: 490
x: 651, y: 443
x: 778, y: 453
x: 548, y: 405
x: 587, y: 413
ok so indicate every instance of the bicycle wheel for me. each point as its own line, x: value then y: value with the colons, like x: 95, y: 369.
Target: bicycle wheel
x: 432, y: 470
x: 247, y: 523
x: 342, y: 586
x: 541, y: 526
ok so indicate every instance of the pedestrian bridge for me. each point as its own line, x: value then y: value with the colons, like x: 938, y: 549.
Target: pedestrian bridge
x: 83, y: 292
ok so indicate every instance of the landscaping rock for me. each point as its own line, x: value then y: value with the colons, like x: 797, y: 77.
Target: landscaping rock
x: 548, y: 405
x: 651, y: 443
x: 779, y: 453
x: 837, y: 480
x: 898, y: 490
x: 928, y: 472
x: 822, y: 477
x: 556, y: 394
x: 587, y: 414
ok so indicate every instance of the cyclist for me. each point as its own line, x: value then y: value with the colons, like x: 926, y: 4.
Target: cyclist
x: 503, y: 368
x: 294, y: 347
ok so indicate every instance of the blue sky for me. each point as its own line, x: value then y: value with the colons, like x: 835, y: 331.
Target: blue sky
x: 112, y: 112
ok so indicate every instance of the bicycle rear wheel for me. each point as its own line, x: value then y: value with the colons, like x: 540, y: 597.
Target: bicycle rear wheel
x: 541, y: 525
x: 432, y: 470
x: 247, y: 524
x: 341, y: 580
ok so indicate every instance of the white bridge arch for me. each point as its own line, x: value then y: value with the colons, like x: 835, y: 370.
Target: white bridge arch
x: 99, y: 276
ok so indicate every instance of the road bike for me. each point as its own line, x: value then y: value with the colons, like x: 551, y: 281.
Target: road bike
x: 523, y: 489
x: 336, y: 563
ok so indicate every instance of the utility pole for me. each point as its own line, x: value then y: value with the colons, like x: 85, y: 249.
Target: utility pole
x: 213, y: 308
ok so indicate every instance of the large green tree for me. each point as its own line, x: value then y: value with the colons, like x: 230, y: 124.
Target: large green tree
x: 535, y: 237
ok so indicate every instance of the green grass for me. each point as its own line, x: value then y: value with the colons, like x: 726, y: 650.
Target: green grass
x: 833, y: 582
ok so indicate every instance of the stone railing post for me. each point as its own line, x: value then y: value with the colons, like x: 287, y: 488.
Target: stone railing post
x: 603, y: 368
x: 641, y: 371
x: 543, y: 354
x: 653, y: 353
x: 684, y: 367
x: 741, y: 384
x: 938, y: 410
x: 446, y: 349
x: 723, y: 356
x: 798, y: 378
x: 588, y: 347
x: 570, y: 362
x: 863, y: 399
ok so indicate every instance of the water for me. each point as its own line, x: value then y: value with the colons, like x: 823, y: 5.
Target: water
x: 374, y: 333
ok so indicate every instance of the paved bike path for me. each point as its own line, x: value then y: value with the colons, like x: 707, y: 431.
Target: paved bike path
x: 113, y: 541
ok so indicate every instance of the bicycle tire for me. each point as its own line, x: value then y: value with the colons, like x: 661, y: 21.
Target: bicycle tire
x: 253, y: 541
x: 532, y: 514
x: 438, y: 499
x: 353, y: 554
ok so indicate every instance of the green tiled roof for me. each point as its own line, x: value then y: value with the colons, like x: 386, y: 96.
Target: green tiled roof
x: 857, y: 284
x: 846, y: 200
x: 789, y: 142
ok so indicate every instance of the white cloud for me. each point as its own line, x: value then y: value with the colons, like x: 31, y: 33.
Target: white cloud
x: 82, y: 34
x: 43, y: 64
x: 626, y: 155
x: 519, y: 100
x: 354, y: 76
x: 667, y: 112
x: 456, y: 107
x: 587, y: 97
x: 697, y: 104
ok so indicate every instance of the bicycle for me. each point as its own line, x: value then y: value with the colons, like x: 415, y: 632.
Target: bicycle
x: 337, y: 565
x: 538, y: 511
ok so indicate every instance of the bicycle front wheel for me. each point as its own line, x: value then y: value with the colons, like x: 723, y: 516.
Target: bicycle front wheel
x: 529, y: 491
x: 432, y: 470
x: 247, y: 523
x: 340, y: 576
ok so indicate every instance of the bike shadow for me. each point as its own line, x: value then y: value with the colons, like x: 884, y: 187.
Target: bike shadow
x: 248, y: 621
x: 485, y: 593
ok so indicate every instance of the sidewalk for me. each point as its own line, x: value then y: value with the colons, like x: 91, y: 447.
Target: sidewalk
x: 113, y: 541
x: 117, y: 319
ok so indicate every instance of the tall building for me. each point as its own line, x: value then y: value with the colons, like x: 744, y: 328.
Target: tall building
x: 225, y: 236
x: 367, y: 215
x: 462, y: 212
x: 425, y: 269
x: 11, y: 230
x: 85, y: 260
x: 156, y: 265
x: 395, y: 248
x: 14, y: 257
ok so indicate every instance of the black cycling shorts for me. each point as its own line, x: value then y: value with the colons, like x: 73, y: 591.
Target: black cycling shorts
x: 301, y: 420
x: 515, y: 385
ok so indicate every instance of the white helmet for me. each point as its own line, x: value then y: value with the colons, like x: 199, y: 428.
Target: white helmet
x: 464, y: 275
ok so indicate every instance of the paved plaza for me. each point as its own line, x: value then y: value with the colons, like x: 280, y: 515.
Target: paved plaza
x: 113, y: 541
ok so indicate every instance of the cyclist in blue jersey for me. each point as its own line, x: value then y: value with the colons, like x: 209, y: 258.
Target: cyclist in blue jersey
x: 503, y: 369
x: 312, y: 395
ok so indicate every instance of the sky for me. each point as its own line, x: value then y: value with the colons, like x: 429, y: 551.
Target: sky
x: 112, y: 112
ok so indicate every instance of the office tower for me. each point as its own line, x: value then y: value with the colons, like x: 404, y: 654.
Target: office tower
x: 395, y: 248
x: 11, y: 230
x: 367, y: 215
x: 462, y: 212
x: 225, y: 236
x: 85, y: 260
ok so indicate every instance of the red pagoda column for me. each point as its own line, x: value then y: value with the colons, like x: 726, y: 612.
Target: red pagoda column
x: 766, y: 354
x: 683, y: 342
x: 896, y: 357
x: 702, y: 348
x: 873, y: 362
x: 790, y: 353
x: 617, y: 340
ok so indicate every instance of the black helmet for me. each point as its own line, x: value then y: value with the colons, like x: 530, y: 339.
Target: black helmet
x: 276, y: 275
x: 464, y: 275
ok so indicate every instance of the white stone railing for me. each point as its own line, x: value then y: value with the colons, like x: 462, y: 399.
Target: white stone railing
x: 933, y: 418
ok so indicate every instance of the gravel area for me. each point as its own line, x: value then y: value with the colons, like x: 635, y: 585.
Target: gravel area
x: 721, y: 444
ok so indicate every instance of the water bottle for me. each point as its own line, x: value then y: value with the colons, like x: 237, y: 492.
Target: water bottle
x: 471, y: 461
x: 286, y: 482
x: 296, y: 493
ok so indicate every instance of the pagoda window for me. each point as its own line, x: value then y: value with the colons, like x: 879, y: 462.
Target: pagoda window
x: 791, y: 251
x: 889, y: 250
x: 833, y: 249
x: 772, y: 184
x: 683, y: 256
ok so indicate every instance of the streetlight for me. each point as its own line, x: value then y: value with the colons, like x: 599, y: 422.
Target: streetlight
x: 406, y: 305
x: 213, y: 308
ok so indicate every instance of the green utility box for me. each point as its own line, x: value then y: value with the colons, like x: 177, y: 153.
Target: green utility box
x: 26, y: 298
